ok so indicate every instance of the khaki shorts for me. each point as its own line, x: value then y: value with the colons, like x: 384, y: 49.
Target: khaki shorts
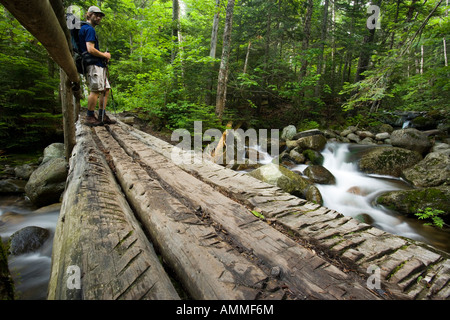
x: 96, y: 78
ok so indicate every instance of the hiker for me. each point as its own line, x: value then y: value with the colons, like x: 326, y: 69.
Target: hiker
x: 96, y: 70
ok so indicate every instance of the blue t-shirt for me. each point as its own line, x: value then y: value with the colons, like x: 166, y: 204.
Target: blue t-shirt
x: 87, y: 34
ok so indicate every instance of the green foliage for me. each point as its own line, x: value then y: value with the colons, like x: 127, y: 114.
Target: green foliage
x: 29, y: 112
x: 431, y: 214
x: 274, y: 71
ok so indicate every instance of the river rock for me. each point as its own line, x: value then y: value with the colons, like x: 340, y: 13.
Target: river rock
x: 410, y: 201
x: 296, y: 156
x: 288, y: 181
x: 11, y: 217
x: 12, y: 186
x: 385, y: 128
x: 365, y: 218
x: 319, y: 174
x: 28, y: 239
x: 47, y: 182
x: 411, y: 139
x: 24, y: 171
x: 368, y: 141
x: 55, y: 150
x: 382, y: 136
x: 365, y: 134
x: 314, y: 142
x: 314, y: 157
x: 353, y: 137
x: 349, y: 130
x: 307, y: 133
x: 432, y: 171
x: 388, y: 160
x: 288, y: 132
x: 359, y: 191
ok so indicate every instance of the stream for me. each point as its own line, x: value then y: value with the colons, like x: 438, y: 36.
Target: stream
x: 31, y: 272
x: 354, y: 195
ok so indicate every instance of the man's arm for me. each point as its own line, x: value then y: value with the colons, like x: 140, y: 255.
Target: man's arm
x: 92, y: 50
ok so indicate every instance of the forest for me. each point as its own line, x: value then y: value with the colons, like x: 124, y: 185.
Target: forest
x: 262, y: 63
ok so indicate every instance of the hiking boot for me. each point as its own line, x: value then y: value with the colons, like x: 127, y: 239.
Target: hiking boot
x: 92, y: 121
x: 107, y: 120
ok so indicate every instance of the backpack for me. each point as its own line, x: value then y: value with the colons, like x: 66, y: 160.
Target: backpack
x: 81, y: 59
x: 74, y: 39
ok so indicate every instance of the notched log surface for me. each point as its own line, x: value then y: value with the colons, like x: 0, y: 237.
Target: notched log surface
x: 98, y: 233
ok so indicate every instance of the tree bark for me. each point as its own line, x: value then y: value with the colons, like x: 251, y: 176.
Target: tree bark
x: 224, y: 63
x: 305, y: 41
x: 98, y: 233
x: 322, y: 46
x: 68, y: 114
x: 212, y: 52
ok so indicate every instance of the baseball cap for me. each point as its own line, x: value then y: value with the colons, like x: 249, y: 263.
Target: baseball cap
x: 95, y: 9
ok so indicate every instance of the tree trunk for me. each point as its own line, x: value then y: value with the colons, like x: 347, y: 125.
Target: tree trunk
x: 305, y: 41
x: 212, y: 52
x: 322, y: 46
x: 366, y: 52
x: 68, y: 114
x: 247, y: 56
x: 224, y: 63
x: 215, y: 31
x: 364, y: 56
x: 175, y: 25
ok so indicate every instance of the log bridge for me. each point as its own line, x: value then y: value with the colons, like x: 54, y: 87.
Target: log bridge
x: 138, y: 226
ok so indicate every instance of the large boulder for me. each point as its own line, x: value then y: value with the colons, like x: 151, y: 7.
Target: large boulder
x: 288, y: 132
x: 27, y: 240
x: 433, y: 170
x: 313, y: 156
x: 47, y: 182
x: 288, y: 181
x: 319, y: 174
x: 314, y: 142
x: 388, y: 160
x: 55, y: 150
x: 411, y: 139
x: 410, y: 202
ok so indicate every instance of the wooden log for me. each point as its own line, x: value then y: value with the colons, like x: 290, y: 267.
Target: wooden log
x: 208, y: 267
x: 354, y: 243
x: 39, y: 18
x: 98, y: 238
x: 307, y: 274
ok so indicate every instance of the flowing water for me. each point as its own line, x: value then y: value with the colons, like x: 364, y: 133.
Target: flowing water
x: 30, y: 271
x: 354, y: 194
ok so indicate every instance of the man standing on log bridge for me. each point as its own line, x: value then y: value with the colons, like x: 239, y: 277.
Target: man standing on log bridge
x: 96, y: 69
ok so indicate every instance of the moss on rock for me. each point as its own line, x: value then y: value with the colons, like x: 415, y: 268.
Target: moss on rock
x: 388, y: 160
x: 410, y: 202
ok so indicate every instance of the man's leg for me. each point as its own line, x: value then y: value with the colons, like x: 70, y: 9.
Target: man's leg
x: 102, y: 108
x: 102, y: 103
x: 92, y: 103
